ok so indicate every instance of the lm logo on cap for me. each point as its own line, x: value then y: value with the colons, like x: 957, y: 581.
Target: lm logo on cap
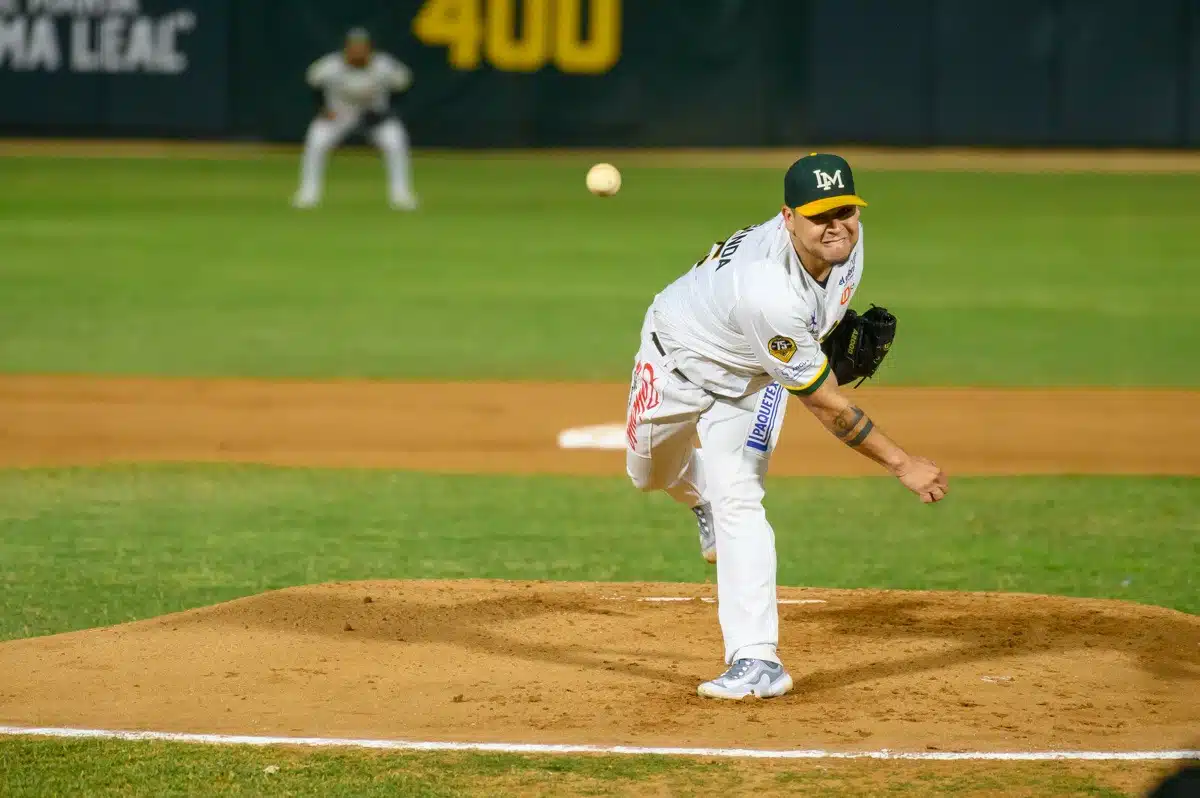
x: 825, y: 181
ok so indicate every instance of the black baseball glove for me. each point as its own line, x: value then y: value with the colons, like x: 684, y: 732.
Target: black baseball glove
x: 858, y: 344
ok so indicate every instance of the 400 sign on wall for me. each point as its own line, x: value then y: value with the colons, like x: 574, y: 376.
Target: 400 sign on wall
x: 573, y: 36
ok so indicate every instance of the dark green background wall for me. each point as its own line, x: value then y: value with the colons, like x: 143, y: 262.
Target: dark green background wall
x: 702, y: 72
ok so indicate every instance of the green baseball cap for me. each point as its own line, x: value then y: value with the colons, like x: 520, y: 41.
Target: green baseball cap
x: 819, y: 182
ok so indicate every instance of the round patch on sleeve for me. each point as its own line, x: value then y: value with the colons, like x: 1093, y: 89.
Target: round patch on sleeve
x: 781, y: 348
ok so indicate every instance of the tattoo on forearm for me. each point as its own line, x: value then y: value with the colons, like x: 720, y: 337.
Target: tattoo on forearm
x: 847, y: 423
x: 861, y: 436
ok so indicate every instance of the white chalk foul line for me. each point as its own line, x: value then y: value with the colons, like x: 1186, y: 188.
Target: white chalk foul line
x: 540, y: 748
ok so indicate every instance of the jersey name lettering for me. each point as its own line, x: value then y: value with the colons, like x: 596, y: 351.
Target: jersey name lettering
x: 731, y: 246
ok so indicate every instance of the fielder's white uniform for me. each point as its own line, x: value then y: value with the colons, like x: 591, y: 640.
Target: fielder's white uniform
x: 351, y: 94
x: 719, y: 347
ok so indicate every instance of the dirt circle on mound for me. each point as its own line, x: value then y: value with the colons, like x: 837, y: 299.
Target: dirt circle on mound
x: 616, y: 664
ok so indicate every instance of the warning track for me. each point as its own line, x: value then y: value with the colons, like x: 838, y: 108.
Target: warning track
x: 933, y: 159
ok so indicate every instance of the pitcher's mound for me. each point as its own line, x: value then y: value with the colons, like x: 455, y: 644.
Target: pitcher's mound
x: 553, y: 662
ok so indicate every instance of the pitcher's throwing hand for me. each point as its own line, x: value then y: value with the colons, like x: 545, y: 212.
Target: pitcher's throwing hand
x: 923, y: 477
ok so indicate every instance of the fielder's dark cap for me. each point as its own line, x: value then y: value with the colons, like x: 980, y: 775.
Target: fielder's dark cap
x: 819, y: 182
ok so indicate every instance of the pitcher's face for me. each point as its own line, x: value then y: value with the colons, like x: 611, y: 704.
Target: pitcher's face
x: 829, y: 237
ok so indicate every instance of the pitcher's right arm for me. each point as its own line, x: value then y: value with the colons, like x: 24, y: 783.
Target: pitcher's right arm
x: 786, y: 349
x: 853, y: 427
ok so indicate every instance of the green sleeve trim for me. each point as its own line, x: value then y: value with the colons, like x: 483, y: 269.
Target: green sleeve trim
x: 814, y: 384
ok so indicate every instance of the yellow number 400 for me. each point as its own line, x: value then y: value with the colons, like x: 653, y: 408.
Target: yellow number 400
x: 550, y: 30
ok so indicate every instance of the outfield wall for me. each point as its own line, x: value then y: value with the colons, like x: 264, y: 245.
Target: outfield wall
x: 522, y: 73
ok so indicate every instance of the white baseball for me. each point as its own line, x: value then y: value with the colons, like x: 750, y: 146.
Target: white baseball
x: 603, y: 180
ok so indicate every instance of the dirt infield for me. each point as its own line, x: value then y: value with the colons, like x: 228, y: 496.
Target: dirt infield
x: 514, y: 427
x: 867, y: 158
x: 547, y: 662
x: 590, y: 663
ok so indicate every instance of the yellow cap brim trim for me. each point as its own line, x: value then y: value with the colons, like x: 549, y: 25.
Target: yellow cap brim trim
x: 817, y: 207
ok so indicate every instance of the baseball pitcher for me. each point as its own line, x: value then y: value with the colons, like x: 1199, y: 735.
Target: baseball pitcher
x: 354, y: 88
x: 764, y: 314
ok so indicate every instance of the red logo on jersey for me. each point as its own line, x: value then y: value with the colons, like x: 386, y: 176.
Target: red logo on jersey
x: 643, y: 396
x: 847, y: 292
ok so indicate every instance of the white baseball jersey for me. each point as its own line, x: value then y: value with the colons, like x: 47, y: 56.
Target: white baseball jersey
x: 349, y: 90
x: 749, y: 313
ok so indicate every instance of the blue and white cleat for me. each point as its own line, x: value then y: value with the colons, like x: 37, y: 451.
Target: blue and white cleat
x: 708, y: 535
x: 749, y: 677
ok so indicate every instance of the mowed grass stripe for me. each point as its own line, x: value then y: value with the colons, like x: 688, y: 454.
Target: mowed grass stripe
x: 512, y: 270
x: 87, y: 547
x: 30, y: 767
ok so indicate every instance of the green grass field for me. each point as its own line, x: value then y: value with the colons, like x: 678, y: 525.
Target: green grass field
x: 40, y: 767
x: 511, y: 270
x: 92, y: 547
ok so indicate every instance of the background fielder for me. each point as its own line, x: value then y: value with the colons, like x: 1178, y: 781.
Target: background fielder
x: 764, y: 311
x: 355, y: 87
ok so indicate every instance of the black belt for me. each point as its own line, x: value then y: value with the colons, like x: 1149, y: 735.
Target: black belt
x: 658, y: 345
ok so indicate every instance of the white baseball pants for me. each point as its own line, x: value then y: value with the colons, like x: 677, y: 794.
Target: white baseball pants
x: 664, y: 416
x: 324, y: 135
